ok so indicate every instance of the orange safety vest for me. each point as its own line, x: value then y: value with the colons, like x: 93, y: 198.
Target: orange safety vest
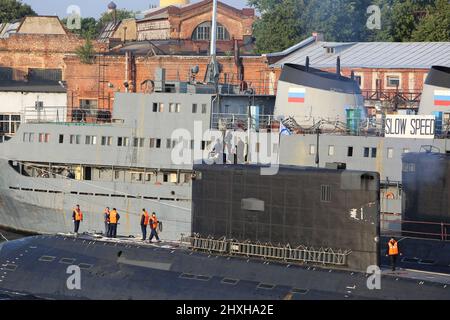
x: 154, y: 222
x: 78, y: 215
x: 393, y: 248
x: 113, y: 216
x: 146, y: 218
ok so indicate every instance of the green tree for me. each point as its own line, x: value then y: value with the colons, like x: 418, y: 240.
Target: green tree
x: 435, y: 26
x: 279, y: 26
x: 120, y: 15
x: 286, y: 22
x: 11, y: 10
x: 86, y: 52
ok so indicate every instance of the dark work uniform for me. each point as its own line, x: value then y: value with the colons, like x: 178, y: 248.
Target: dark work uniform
x: 153, y: 226
x: 144, y: 226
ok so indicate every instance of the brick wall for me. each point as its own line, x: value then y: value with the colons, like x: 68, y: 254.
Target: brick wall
x: 24, y: 51
x: 83, y: 79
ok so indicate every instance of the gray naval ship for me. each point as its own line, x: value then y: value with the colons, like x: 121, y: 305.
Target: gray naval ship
x: 149, y: 154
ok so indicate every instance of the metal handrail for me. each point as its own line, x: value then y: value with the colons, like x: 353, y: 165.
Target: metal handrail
x: 266, y: 251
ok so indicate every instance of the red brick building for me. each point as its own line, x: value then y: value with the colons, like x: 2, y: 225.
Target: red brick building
x: 24, y: 53
x: 193, y: 22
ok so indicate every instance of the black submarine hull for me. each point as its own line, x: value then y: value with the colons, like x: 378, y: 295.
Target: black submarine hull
x: 38, y: 266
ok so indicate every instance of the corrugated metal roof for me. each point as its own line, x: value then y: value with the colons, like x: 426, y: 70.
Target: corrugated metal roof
x: 390, y: 55
x: 108, y: 31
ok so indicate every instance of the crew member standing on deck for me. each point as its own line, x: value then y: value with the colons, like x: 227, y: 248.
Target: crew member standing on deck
x: 77, y: 217
x: 153, y: 227
x: 113, y: 220
x: 393, y: 252
x: 144, y: 223
x: 106, y: 218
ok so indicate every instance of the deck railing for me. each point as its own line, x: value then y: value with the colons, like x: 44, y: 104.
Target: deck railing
x: 302, y: 254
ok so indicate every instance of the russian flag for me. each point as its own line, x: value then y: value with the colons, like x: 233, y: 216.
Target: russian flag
x: 296, y: 95
x: 442, y: 98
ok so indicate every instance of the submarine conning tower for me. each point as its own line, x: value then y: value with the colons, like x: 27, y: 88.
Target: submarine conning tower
x: 310, y: 95
x: 436, y: 91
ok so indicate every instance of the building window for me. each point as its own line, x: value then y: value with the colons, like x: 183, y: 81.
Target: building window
x: 312, y: 149
x: 9, y: 123
x: 91, y: 140
x: 366, y: 152
x: 106, y: 141
x: 172, y: 107
x: 116, y: 174
x: 155, y: 107
x: 158, y: 143
x: 44, y: 137
x: 358, y: 80
x: 392, y: 81
x: 325, y: 193
x: 152, y: 142
x: 194, y: 108
x: 329, y: 50
x: 75, y: 139
x: 161, y: 107
x: 168, y: 144
x: 390, y: 153
x: 61, y: 138
x: 138, y: 142
x: 374, y: 152
x: 88, y: 104
x: 349, y: 151
x: 204, y: 108
x: 203, y: 32
x: 331, y: 150
x: 165, y: 177
x: 123, y: 141
x: 31, y: 137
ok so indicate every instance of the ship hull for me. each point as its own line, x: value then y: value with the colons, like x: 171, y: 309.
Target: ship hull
x: 45, y: 206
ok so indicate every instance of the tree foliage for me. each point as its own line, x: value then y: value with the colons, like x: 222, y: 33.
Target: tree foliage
x: 86, y: 52
x: 11, y: 10
x: 286, y: 22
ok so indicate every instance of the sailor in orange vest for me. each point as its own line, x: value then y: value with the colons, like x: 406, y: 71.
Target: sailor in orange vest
x: 393, y: 252
x: 113, y: 220
x: 144, y: 223
x: 153, y: 225
x: 106, y: 219
x: 77, y: 217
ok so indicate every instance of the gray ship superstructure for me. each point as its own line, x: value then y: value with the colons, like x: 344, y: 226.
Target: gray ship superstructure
x: 128, y: 162
x: 47, y: 168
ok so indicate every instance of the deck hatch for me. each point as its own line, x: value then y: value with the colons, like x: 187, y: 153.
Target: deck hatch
x: 266, y: 286
x: 10, y: 267
x: 47, y: 258
x: 300, y: 291
x: 67, y: 260
x: 230, y: 281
